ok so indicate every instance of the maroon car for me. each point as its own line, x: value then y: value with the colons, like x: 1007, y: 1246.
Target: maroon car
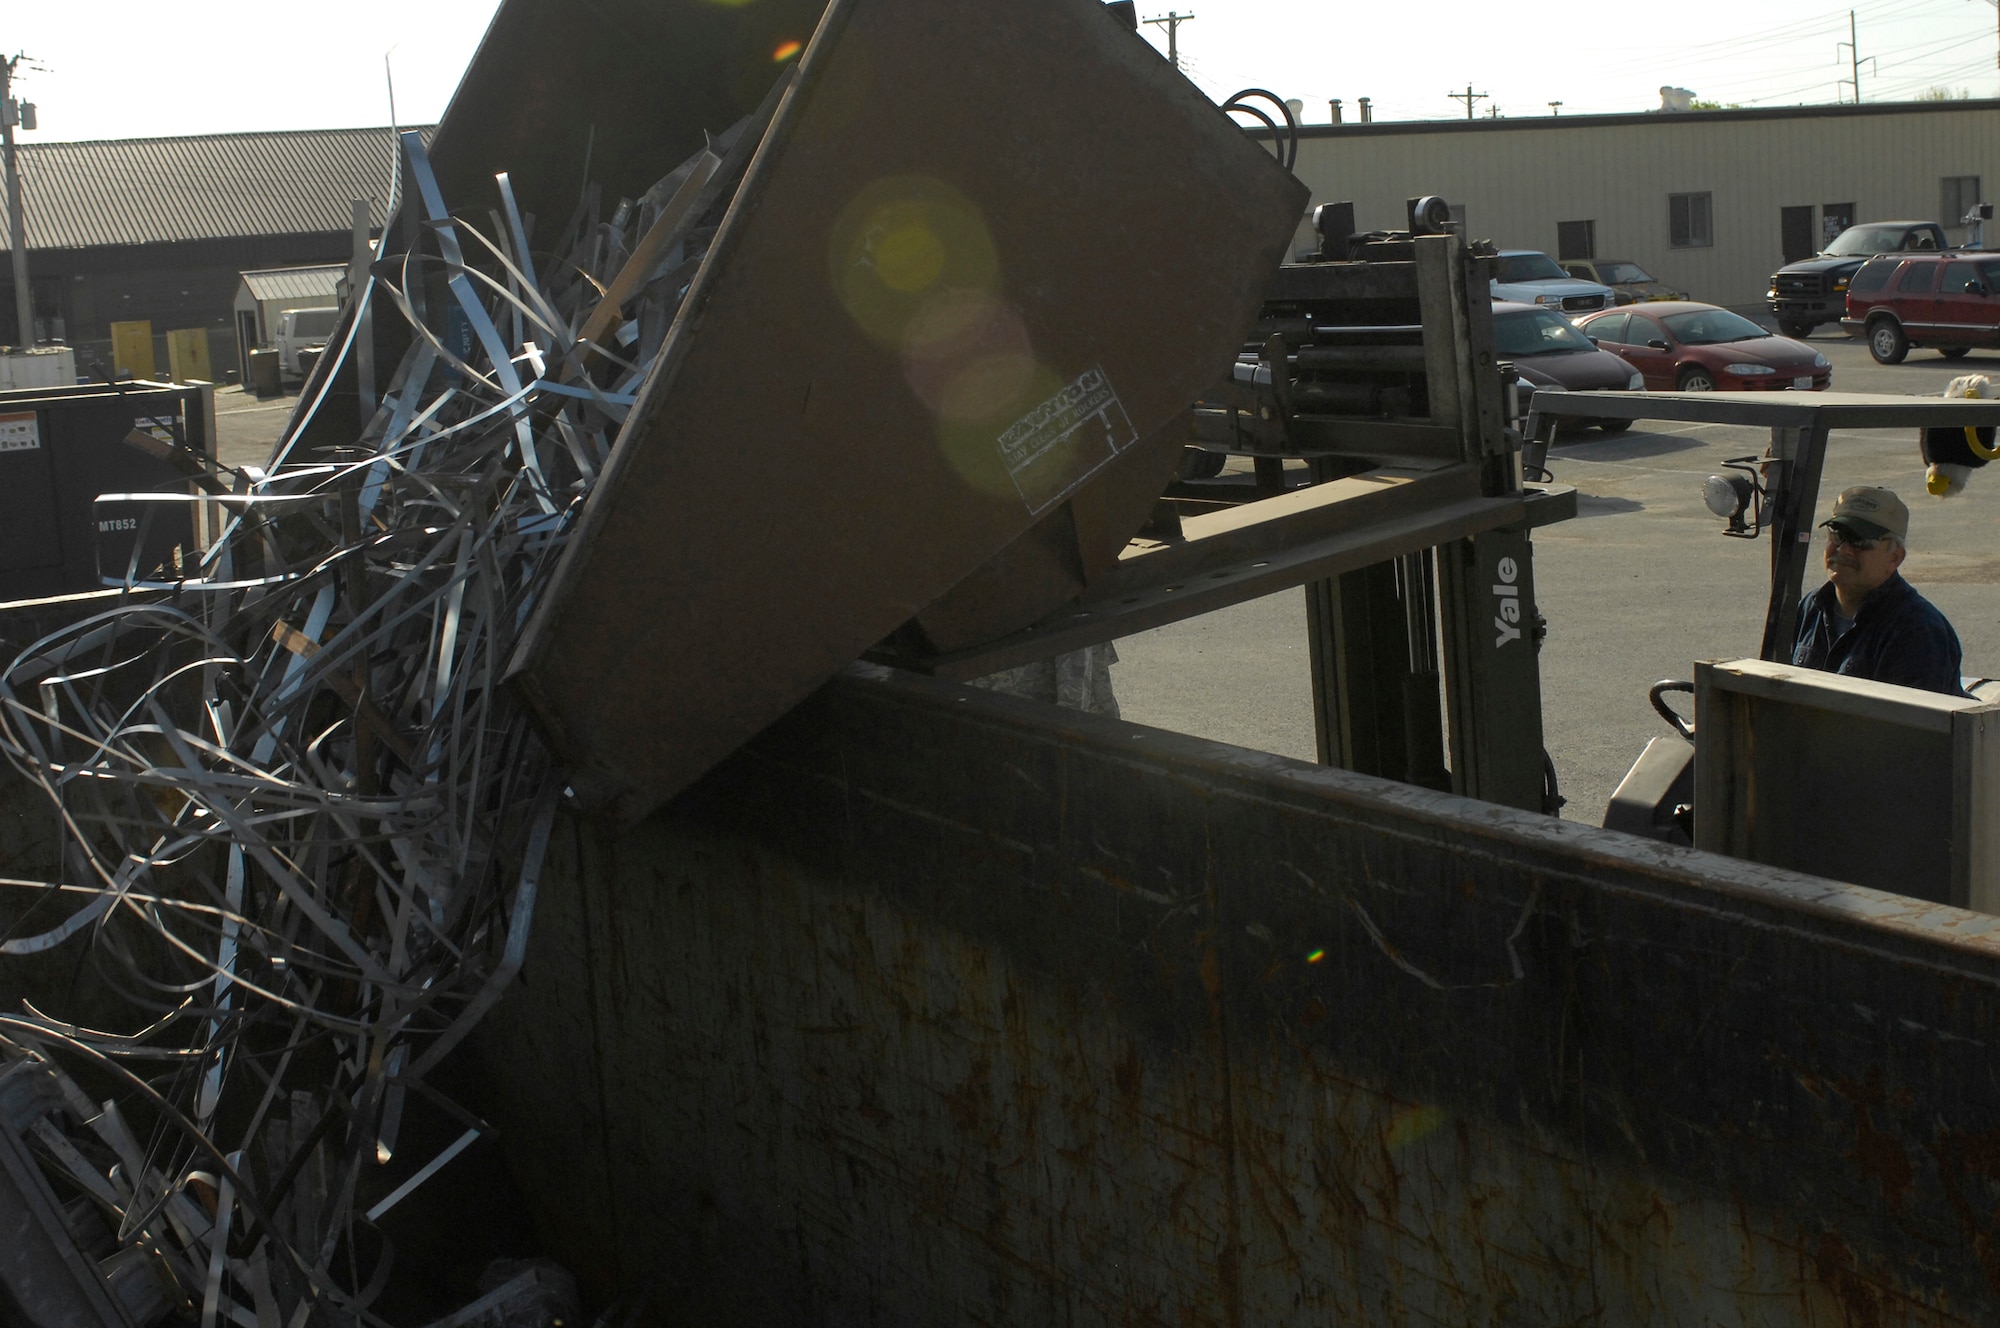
x: 1686, y: 347
x: 1549, y: 353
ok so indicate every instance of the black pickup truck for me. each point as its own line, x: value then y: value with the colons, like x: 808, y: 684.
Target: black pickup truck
x: 1814, y: 290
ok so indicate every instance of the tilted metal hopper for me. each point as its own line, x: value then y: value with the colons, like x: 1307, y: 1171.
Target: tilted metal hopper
x: 981, y: 260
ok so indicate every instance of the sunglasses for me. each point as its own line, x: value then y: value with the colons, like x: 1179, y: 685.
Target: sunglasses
x: 1852, y: 540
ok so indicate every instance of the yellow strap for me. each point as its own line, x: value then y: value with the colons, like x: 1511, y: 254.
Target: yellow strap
x: 1972, y: 435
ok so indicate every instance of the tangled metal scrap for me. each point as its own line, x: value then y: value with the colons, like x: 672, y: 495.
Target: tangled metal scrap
x: 302, y: 823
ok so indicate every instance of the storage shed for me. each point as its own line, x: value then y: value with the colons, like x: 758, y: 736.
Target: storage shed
x: 264, y: 294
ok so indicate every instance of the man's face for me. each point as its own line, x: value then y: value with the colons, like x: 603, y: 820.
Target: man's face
x: 1855, y: 569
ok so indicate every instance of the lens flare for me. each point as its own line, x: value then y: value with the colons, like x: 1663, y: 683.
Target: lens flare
x: 1411, y: 1125
x: 897, y: 243
x: 1315, y: 956
x: 915, y: 266
x: 909, y: 256
x: 787, y: 51
x: 966, y: 355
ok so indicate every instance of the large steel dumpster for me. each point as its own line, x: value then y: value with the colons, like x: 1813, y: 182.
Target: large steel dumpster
x: 63, y: 447
x: 934, y: 1006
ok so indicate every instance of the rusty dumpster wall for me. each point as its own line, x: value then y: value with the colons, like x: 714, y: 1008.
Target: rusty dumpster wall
x: 934, y: 1006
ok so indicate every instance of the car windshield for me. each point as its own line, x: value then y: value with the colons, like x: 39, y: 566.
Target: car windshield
x: 1536, y: 332
x: 1712, y: 327
x: 1616, y: 272
x: 1868, y: 240
x: 1530, y: 267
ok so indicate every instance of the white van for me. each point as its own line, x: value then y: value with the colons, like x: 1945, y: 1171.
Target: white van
x: 302, y: 329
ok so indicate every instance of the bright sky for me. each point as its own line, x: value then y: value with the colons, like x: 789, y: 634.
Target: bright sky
x: 122, y: 69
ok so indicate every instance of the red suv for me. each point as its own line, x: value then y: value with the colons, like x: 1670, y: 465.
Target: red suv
x: 1948, y: 301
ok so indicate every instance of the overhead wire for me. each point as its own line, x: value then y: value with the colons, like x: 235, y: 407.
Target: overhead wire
x: 1797, y: 77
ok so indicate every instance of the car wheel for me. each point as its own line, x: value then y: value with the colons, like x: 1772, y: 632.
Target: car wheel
x: 1614, y: 426
x: 1694, y: 378
x: 1795, y: 329
x: 1197, y: 464
x: 1954, y: 352
x: 1886, y: 341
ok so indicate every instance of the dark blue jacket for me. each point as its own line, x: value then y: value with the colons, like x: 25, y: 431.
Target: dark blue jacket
x: 1899, y: 637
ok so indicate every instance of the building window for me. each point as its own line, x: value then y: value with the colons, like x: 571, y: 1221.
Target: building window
x: 1688, y: 221
x: 1576, y: 239
x: 1960, y: 193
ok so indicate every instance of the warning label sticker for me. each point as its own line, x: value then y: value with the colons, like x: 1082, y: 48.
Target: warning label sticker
x: 19, y: 433
x: 1066, y: 439
x: 161, y: 428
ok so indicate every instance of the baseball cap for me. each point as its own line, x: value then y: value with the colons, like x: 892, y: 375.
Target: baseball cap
x: 1870, y: 513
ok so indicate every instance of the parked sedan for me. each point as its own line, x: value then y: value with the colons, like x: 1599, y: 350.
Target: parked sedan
x: 1633, y: 283
x: 1551, y: 355
x: 1682, y: 346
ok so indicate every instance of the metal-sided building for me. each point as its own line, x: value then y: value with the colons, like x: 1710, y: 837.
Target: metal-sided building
x: 1711, y: 201
x: 161, y: 229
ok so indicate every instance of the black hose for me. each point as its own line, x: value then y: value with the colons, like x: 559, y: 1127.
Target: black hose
x: 1287, y: 142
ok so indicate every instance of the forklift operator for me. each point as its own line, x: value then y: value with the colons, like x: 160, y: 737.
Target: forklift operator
x: 1867, y: 621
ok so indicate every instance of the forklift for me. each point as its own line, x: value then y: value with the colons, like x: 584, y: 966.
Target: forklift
x: 1760, y: 775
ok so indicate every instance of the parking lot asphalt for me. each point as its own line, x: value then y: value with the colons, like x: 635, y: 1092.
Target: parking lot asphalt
x: 247, y: 427
x: 1639, y: 586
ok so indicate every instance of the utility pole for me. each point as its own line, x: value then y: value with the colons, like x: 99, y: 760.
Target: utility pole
x: 1172, y: 23
x: 17, y: 226
x: 1555, y: 108
x: 1468, y: 97
x: 1854, y: 52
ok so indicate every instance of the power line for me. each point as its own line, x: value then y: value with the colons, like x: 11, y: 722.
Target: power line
x: 1792, y: 62
x: 1921, y: 76
x: 1786, y: 35
x: 1907, y: 56
x: 1943, y: 77
x: 1918, y: 54
x: 1792, y: 36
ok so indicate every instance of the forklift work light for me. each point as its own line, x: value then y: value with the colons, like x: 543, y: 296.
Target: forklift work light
x: 1733, y: 495
x: 1726, y: 496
